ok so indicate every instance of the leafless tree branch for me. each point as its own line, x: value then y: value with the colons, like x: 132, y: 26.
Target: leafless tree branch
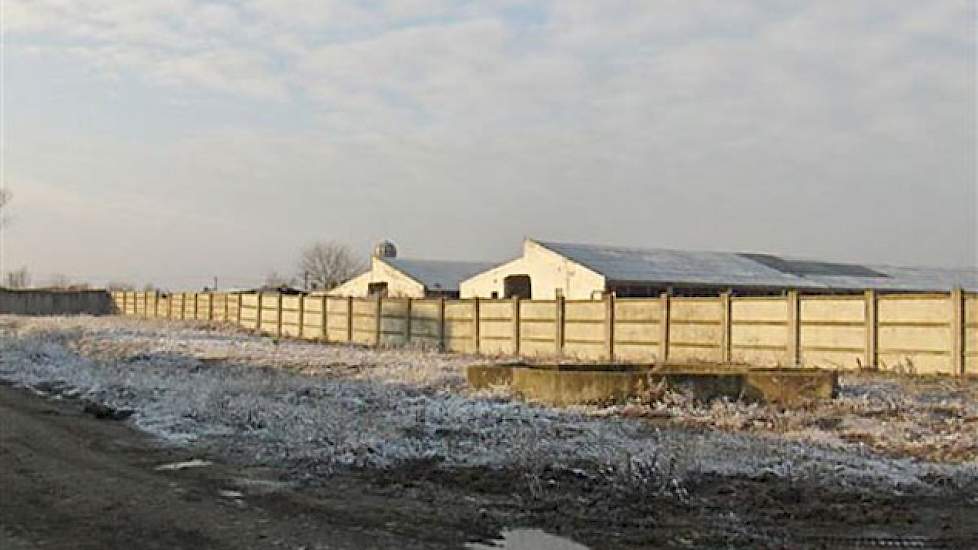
x: 326, y: 264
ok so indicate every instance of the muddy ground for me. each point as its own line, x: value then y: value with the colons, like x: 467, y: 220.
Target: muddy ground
x: 70, y: 480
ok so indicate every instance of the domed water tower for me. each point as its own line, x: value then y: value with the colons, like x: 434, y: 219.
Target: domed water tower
x: 385, y: 249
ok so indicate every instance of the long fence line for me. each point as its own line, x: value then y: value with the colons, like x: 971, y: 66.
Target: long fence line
x: 919, y: 333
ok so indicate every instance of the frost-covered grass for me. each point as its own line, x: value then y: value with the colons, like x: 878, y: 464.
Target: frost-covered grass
x: 314, y: 408
x: 900, y: 416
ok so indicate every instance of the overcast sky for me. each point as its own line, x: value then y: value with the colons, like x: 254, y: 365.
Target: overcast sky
x: 170, y: 141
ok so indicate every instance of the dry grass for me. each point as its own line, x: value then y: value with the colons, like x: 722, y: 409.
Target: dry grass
x: 312, y: 408
x: 930, y: 418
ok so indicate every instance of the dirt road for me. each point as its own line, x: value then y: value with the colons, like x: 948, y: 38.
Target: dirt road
x: 68, y: 480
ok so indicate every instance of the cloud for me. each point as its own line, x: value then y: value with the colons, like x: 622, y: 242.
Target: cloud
x: 822, y: 129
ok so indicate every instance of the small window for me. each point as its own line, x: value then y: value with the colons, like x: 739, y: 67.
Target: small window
x: 375, y: 290
x: 494, y: 295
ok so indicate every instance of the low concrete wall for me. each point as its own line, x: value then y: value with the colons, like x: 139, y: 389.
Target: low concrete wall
x: 53, y: 302
x: 915, y: 333
x: 563, y: 385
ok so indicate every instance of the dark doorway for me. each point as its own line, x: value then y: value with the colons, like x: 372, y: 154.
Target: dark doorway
x: 518, y: 286
x: 375, y: 290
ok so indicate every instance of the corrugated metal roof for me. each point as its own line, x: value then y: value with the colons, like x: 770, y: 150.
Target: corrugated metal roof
x: 438, y: 274
x: 905, y: 279
x: 677, y: 267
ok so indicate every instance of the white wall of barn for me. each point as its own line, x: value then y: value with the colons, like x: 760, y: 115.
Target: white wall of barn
x: 548, y: 272
x: 399, y: 285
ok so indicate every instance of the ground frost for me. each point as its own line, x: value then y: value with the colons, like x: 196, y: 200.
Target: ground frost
x: 315, y: 408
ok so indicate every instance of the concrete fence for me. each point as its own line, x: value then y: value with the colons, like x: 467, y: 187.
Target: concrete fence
x: 55, y: 302
x: 920, y: 333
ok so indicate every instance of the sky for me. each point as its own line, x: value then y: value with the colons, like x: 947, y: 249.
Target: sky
x: 169, y: 142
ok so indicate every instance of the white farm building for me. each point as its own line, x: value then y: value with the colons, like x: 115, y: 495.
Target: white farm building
x: 582, y: 272
x: 390, y: 276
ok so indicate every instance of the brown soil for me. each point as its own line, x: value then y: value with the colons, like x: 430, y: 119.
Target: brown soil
x: 70, y: 480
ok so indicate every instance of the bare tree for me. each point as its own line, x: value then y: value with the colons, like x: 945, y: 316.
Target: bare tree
x: 19, y: 278
x: 276, y: 280
x: 59, y: 281
x: 326, y: 264
x: 119, y: 285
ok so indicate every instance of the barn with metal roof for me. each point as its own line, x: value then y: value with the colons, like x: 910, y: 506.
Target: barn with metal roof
x: 409, y: 278
x: 586, y: 271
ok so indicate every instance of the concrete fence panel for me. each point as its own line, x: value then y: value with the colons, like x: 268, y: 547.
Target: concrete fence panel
x: 234, y: 308
x: 204, y: 303
x: 270, y: 313
x: 249, y: 311
x: 188, y: 306
x: 313, y: 326
x: 915, y: 333
x: 291, y: 316
x: 538, y: 328
x: 759, y: 330
x: 459, y: 326
x: 394, y: 321
x: 970, y: 337
x: 118, y: 305
x: 219, y: 306
x: 139, y: 301
x: 56, y: 302
x: 694, y: 330
x: 338, y: 319
x: 496, y: 327
x: 163, y: 306
x: 833, y: 331
x: 425, y: 322
x: 364, y: 321
x: 584, y: 328
x: 637, y: 329
x: 922, y: 333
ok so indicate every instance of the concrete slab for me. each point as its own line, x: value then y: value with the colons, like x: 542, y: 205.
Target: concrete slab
x: 562, y: 385
x: 785, y: 386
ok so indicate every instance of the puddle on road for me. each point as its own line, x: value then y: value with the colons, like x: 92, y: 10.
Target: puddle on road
x: 195, y: 463
x: 527, y: 539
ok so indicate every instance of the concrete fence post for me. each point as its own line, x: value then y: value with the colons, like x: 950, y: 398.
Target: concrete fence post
x: 196, y: 304
x: 323, y: 318
x: 516, y: 325
x: 278, y: 315
x: 663, y: 327
x: 956, y: 298
x: 210, y: 307
x: 378, y: 320
x: 407, y: 322
x: 258, y: 312
x: 237, y: 315
x: 872, y: 330
x: 302, y: 316
x: 726, y: 323
x: 559, y: 327
x: 442, y: 332
x: 609, y: 326
x: 349, y: 319
x: 476, y: 336
x: 793, y: 303
x: 125, y: 310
